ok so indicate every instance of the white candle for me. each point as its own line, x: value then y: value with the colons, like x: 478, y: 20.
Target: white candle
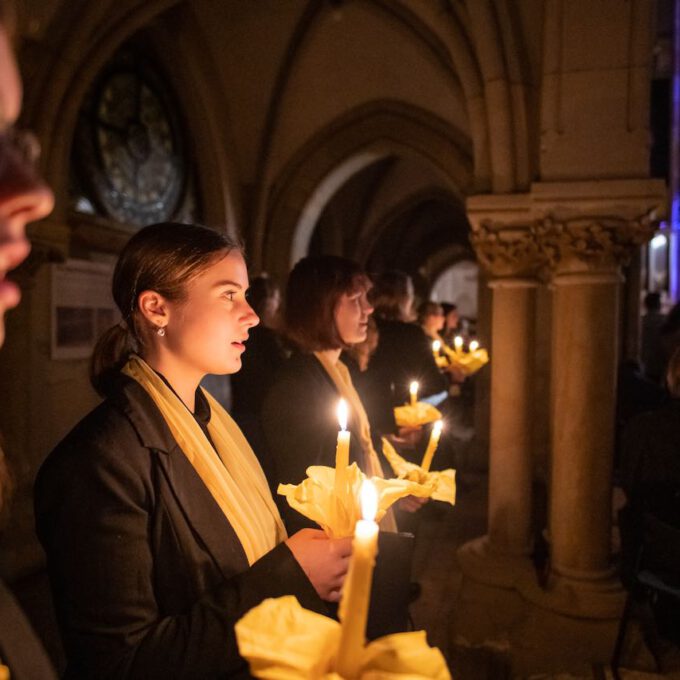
x: 413, y: 390
x: 432, y: 445
x: 356, y: 593
x: 341, y: 449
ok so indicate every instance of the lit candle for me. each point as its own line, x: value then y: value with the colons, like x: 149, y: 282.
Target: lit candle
x: 341, y: 449
x: 413, y: 390
x: 356, y: 592
x: 458, y: 343
x: 474, y: 345
x: 432, y: 445
x: 436, y: 346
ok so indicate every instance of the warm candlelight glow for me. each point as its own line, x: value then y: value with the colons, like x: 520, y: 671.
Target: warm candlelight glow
x: 342, y: 451
x: 436, y: 346
x: 356, y: 593
x: 432, y: 445
x: 458, y: 343
x: 474, y: 346
x: 413, y: 391
x: 369, y: 500
x: 342, y: 414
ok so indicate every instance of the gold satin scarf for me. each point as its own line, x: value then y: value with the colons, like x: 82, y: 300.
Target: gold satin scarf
x: 231, y: 471
x: 339, y: 374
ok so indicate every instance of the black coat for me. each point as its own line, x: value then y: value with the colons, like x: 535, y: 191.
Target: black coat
x: 148, y: 575
x: 20, y: 648
x: 300, y: 426
x: 404, y: 354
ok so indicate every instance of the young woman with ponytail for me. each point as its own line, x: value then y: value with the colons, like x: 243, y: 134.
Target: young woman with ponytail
x: 158, y: 524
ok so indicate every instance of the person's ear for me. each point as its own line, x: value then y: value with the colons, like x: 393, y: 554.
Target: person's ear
x: 154, y: 308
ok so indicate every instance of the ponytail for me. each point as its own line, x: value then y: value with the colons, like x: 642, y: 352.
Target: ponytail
x: 111, y: 353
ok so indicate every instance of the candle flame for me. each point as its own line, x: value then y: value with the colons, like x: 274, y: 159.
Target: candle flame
x: 369, y: 500
x: 458, y: 342
x: 413, y: 387
x: 342, y: 414
x: 437, y: 427
x: 474, y: 345
x: 436, y: 346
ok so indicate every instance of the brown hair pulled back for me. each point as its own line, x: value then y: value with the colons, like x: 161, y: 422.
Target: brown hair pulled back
x: 162, y: 257
x: 314, y: 288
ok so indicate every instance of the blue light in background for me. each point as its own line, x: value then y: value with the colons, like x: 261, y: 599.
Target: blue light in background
x: 674, y: 235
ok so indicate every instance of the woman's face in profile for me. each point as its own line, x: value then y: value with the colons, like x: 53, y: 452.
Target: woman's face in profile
x: 351, y: 316
x: 207, y: 331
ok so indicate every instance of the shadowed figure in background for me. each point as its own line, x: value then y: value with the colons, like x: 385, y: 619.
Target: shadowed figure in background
x: 650, y: 477
x: 404, y: 353
x: 652, y: 358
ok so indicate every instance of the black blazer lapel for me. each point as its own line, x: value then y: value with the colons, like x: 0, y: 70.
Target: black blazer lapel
x: 194, y: 500
x: 202, y: 512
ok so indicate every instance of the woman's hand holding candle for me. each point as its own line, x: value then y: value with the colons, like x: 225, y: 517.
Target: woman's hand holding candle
x: 324, y: 560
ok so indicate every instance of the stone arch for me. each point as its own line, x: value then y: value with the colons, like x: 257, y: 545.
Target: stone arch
x: 393, y: 11
x: 372, y: 233
x: 93, y: 35
x: 363, y: 136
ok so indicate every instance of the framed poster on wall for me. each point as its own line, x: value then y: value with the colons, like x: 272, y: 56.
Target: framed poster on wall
x: 82, y: 307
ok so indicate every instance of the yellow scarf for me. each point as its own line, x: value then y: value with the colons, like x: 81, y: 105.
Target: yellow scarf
x: 232, y: 473
x: 339, y: 374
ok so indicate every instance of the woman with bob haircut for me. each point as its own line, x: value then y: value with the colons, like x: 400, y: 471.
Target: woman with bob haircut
x: 159, y: 528
x: 326, y: 311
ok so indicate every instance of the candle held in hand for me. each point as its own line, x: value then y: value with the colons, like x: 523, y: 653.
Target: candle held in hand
x: 432, y: 445
x: 458, y: 343
x: 356, y: 593
x: 474, y: 346
x: 341, y: 449
x: 436, y: 346
x: 413, y: 391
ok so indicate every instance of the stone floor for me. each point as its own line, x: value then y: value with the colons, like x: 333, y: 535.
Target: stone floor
x: 491, y: 633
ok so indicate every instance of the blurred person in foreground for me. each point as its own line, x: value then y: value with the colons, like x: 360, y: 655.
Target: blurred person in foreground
x: 23, y: 198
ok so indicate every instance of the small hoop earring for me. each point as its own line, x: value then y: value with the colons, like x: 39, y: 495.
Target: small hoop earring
x: 161, y: 331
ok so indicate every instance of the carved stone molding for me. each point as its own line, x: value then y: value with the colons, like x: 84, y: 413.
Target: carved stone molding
x: 550, y: 244
x: 505, y: 250
x: 590, y: 242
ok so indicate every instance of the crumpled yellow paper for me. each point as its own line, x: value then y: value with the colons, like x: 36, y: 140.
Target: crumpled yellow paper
x: 470, y: 362
x: 441, y: 484
x: 337, y: 515
x: 283, y: 641
x: 416, y: 415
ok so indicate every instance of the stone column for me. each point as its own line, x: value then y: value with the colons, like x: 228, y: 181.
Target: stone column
x: 584, y: 256
x: 501, y: 557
